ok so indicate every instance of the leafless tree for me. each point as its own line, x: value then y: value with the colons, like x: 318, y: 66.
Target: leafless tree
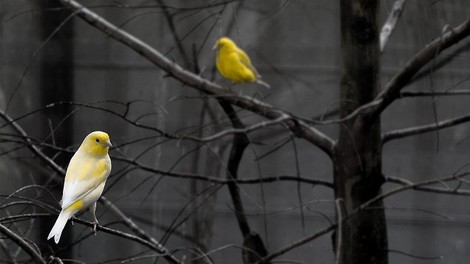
x: 219, y: 143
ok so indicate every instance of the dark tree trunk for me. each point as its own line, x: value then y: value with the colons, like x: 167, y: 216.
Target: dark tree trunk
x: 358, y: 153
x: 56, y: 86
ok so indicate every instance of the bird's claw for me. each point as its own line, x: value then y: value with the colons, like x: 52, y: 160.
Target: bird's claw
x: 95, y: 224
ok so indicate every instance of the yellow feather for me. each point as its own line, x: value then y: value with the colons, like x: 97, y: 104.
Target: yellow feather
x: 234, y: 64
x: 84, y: 180
x: 78, y: 205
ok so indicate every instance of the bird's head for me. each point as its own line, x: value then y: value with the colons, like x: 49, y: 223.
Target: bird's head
x: 96, y: 143
x: 224, y: 42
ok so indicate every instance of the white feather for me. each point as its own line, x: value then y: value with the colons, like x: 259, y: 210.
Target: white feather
x: 59, y: 225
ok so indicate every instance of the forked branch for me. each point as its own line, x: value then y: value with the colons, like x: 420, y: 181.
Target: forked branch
x: 423, y: 57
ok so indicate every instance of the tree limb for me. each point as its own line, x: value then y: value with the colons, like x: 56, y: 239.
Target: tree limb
x: 299, y: 127
x: 23, y: 244
x: 415, y: 185
x: 404, y: 182
x: 391, y: 22
x: 298, y: 243
x: 406, y: 73
x: 401, y: 133
x: 434, y: 93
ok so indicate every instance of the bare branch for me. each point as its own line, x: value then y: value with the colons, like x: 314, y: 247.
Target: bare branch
x: 391, y: 22
x: 401, y: 133
x: 417, y: 185
x: 244, y: 130
x: 404, y: 182
x: 23, y: 244
x: 434, y: 93
x: 406, y: 73
x: 141, y: 233
x: 54, y: 166
x: 415, y: 256
x: 298, y: 243
x: 218, y: 180
x: 300, y: 128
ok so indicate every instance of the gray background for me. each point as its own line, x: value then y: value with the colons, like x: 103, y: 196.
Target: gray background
x: 295, y: 46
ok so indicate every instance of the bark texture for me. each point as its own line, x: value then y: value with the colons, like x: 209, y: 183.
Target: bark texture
x: 358, y: 153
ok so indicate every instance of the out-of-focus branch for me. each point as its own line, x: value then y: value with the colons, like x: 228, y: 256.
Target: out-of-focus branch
x: 406, y: 132
x: 434, y: 93
x: 416, y: 185
x: 242, y: 130
x: 36, y: 151
x: 23, y: 244
x: 174, y: 32
x: 226, y: 181
x: 391, y: 22
x: 299, y: 127
x: 298, y: 243
x: 442, y: 190
x: 392, y: 90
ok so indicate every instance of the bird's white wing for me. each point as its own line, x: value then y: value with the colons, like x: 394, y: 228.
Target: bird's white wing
x: 84, y: 175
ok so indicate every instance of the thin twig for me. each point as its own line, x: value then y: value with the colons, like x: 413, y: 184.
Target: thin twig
x: 297, y: 243
x: 416, y: 185
x: 434, y: 93
x: 450, y: 191
x: 415, y: 256
x: 141, y: 233
x: 417, y: 130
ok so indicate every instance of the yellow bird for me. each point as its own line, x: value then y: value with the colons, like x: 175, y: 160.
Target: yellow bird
x: 84, y: 180
x: 234, y: 64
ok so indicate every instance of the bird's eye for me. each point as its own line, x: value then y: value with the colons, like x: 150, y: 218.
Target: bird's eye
x: 97, y: 140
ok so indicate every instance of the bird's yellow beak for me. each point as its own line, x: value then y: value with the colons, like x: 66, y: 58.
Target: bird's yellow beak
x: 216, y: 45
x: 108, y: 143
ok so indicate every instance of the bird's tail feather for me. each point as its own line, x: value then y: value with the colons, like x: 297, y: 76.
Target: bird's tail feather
x: 258, y: 81
x: 59, y: 225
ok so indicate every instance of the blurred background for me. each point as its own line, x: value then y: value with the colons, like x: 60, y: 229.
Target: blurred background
x: 62, y: 78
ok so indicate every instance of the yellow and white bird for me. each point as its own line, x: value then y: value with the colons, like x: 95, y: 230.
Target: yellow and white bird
x: 234, y: 64
x: 84, y: 180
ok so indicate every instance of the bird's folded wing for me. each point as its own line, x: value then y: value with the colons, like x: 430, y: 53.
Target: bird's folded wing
x: 245, y: 60
x: 82, y: 178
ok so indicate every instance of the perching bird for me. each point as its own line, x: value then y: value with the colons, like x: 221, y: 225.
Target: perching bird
x: 84, y: 180
x: 234, y: 64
